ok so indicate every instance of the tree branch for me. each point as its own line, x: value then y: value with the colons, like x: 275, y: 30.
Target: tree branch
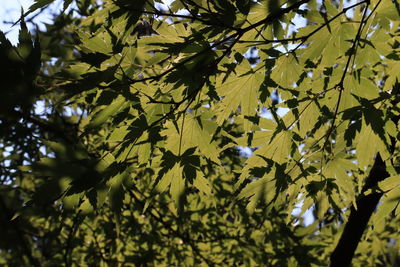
x: 340, y: 86
x: 68, y: 247
x: 366, y: 205
x: 358, y: 219
x: 305, y: 38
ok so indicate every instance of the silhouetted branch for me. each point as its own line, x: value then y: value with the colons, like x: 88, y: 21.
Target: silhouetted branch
x: 358, y: 219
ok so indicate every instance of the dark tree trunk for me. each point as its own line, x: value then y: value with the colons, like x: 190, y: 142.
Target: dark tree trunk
x: 358, y: 219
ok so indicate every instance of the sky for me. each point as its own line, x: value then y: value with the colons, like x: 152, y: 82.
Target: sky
x: 10, y: 12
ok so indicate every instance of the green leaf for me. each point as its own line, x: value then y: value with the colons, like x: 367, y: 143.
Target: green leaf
x: 116, y: 191
x: 190, y: 134
x: 66, y: 4
x: 202, y: 184
x: 368, y: 144
x: 287, y: 71
x: 38, y: 4
x: 388, y: 203
x: 197, y: 132
x: 389, y: 183
x: 100, y: 42
x: 177, y: 187
x: 339, y: 168
x: 241, y: 89
x: 278, y: 149
x: 107, y: 112
x: 309, y: 116
x: 259, y: 190
x: 173, y: 178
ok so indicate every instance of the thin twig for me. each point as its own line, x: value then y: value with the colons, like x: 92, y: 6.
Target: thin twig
x: 181, y: 134
x: 340, y: 84
x: 68, y: 247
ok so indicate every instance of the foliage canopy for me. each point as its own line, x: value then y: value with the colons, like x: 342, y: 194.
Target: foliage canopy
x: 200, y: 133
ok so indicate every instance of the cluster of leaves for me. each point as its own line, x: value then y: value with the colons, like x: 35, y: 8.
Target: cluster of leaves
x: 138, y: 157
